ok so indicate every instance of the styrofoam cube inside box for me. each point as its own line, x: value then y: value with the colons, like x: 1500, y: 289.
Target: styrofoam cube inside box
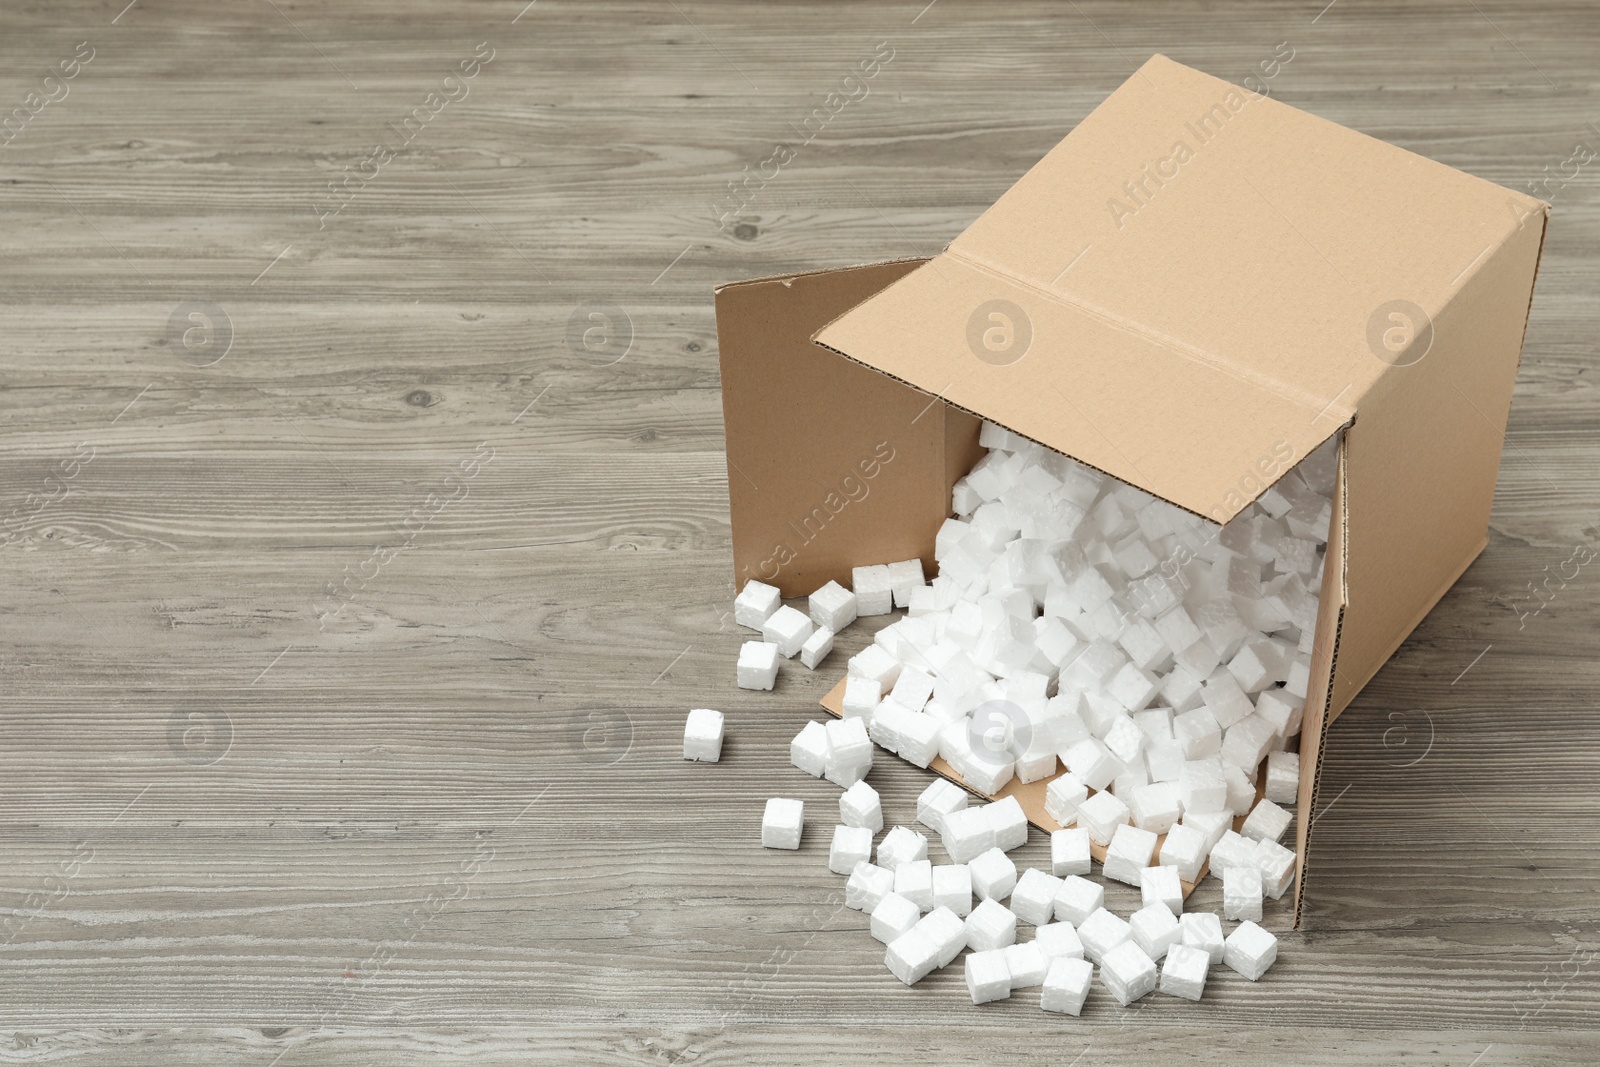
x: 1128, y: 972
x: 893, y: 917
x: 867, y: 886
x: 1009, y: 822
x: 1266, y: 822
x: 1155, y: 807
x: 758, y: 665
x: 1091, y: 762
x: 952, y: 888
x: 1241, y: 893
x: 874, y: 594
x: 1164, y: 760
x: 914, y: 881
x: 967, y: 834
x: 816, y: 648
x: 1198, y: 733
x: 1078, y: 898
x: 1101, y: 815
x: 1184, y: 972
x: 1211, y: 825
x: 1183, y: 848
x: 1231, y: 850
x: 860, y: 806
x: 1241, y: 789
x: 781, y: 823
x: 809, y: 749
x: 1282, y: 710
x: 991, y: 925
x: 1062, y: 797
x: 1203, y: 786
x: 1250, y: 950
x: 937, y: 801
x: 1027, y: 964
x: 901, y: 845
x: 861, y: 697
x: 1247, y: 742
x: 851, y: 845
x: 1276, y: 865
x: 755, y: 602
x: 1066, y: 985
x: 1154, y: 929
x: 702, y: 735
x: 833, y: 606
x: 904, y: 576
x: 1069, y: 852
x: 1202, y: 930
x: 994, y: 876
x: 1101, y: 932
x: 1058, y: 939
x: 1160, y: 885
x: 1033, y: 899
x: 1130, y: 851
x: 912, y: 956
x: 1283, y: 777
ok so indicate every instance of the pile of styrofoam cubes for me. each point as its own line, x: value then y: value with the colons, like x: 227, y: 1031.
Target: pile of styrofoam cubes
x: 1079, y: 621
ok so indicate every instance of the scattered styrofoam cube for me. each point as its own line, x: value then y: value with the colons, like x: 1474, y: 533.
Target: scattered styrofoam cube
x: 1198, y: 733
x: 875, y: 663
x: 1101, y: 815
x: 1062, y: 797
x: 755, y: 602
x: 860, y: 806
x: 893, y: 917
x: 1078, y: 898
x: 1160, y: 885
x: 861, y: 697
x: 912, y: 956
x: 1069, y: 852
x: 1266, y: 822
x: 1091, y: 762
x: 914, y: 881
x: 1283, y: 710
x: 809, y: 749
x: 948, y: 930
x: 913, y: 688
x: 849, y: 752
x: 1155, y: 807
x: 1101, y: 932
x: 1009, y: 823
x: 1209, y: 824
x: 1232, y: 851
x: 1241, y: 893
x: 988, y: 977
x: 1130, y: 851
x: 758, y: 665
x: 1203, y: 786
x: 788, y: 629
x: 952, y: 888
x: 874, y: 594
x: 1154, y: 929
x: 1250, y: 950
x: 815, y: 649
x: 991, y: 925
x: 1066, y: 985
x: 1033, y: 899
x: 1128, y: 972
x: 1058, y: 939
x: 904, y: 576
x: 967, y: 834
x: 1184, y: 972
x: 833, y: 607
x: 781, y: 823
x: 994, y: 876
x: 1241, y: 789
x: 1283, y: 777
x: 1276, y: 865
x: 851, y: 845
x: 867, y: 886
x: 1202, y: 930
x: 1027, y: 964
x: 1247, y: 742
x: 901, y: 845
x: 937, y: 801
x: 702, y: 735
x: 1183, y: 848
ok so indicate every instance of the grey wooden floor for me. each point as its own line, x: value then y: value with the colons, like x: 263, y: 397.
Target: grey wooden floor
x: 273, y: 794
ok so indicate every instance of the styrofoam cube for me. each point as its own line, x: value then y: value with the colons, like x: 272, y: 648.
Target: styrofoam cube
x: 1184, y: 972
x: 913, y: 688
x: 1164, y: 760
x: 1154, y: 929
x: 815, y: 649
x: 702, y: 735
x: 1281, y: 709
x: 1027, y: 964
x: 809, y: 749
x: 1250, y: 950
x: 781, y: 823
x: 1033, y: 899
x: 874, y: 594
x: 1101, y: 815
x: 914, y: 881
x: 1128, y: 972
x: 788, y: 629
x: 1202, y: 930
x: 875, y: 663
x: 1241, y: 893
x: 901, y: 845
x: 1101, y: 932
x: 1009, y: 823
x: 1198, y: 733
x: 991, y: 925
x: 758, y: 665
x: 1203, y: 786
x: 1183, y: 849
x: 860, y: 806
x: 967, y: 834
x: 867, y: 886
x: 893, y: 917
x: 937, y: 801
x: 1241, y: 788
x: 1130, y: 851
x: 832, y: 607
x: 994, y: 876
x: 755, y: 602
x: 1091, y: 762
x: 1276, y: 865
x: 1209, y: 824
x: 1266, y: 822
x: 1232, y: 850
x: 904, y: 576
x: 1125, y: 741
x: 1283, y: 777
x: 1078, y: 898
x: 1247, y: 742
x: 1066, y: 985
x: 1058, y: 939
x: 912, y: 956
x: 1062, y: 797
x: 988, y: 977
x: 1155, y: 807
x: 952, y: 888
x: 1069, y: 852
x: 948, y: 931
x: 861, y: 697
x: 851, y: 845
x: 984, y: 773
x: 1160, y: 885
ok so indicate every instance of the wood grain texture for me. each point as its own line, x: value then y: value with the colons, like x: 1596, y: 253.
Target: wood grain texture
x: 440, y: 815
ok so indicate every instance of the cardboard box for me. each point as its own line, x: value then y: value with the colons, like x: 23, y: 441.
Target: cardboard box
x: 1192, y: 291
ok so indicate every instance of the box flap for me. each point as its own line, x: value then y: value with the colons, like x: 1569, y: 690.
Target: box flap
x: 1231, y: 263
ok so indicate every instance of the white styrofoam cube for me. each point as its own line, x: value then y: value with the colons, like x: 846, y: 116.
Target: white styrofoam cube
x: 1281, y: 709
x: 991, y: 925
x: 1241, y: 893
x: 1154, y: 929
x: 1226, y: 699
x: 1160, y: 885
x: 1091, y: 762
x: 904, y: 576
x: 1125, y: 741
x: 702, y: 735
x: 914, y: 881
x: 952, y: 888
x: 1066, y: 985
x: 851, y: 845
x: 860, y: 806
x: 758, y: 665
x: 1128, y: 973
x: 1283, y: 777
x: 1130, y: 851
x: 988, y: 977
x: 1209, y: 824
x: 832, y: 607
x: 966, y: 834
x: 1132, y: 688
x: 1250, y: 950
x: 938, y: 800
x: 1197, y: 733
x: 1241, y: 788
x: 781, y: 823
x: 1164, y: 760
x: 1101, y: 814
x: 1203, y: 786
x: 1078, y: 898
x: 1101, y: 932
x: 912, y: 956
x: 1184, y: 849
x: 867, y: 886
x: 1062, y: 797
x: 984, y: 773
x: 1184, y: 972
x: 1247, y: 742
x: 809, y: 749
x: 1155, y: 807
x: 893, y: 917
x: 861, y: 697
x: 874, y: 594
x: 1232, y: 850
x: 1033, y: 899
x: 1027, y: 964
x: 755, y: 602
x: 948, y: 931
x: 1069, y: 852
x: 901, y: 845
x: 876, y: 663
x: 994, y: 876
x: 1202, y: 930
x: 1009, y: 823
x: 788, y: 629
x: 849, y: 752
x: 913, y: 688
x: 1266, y: 822
x: 1058, y: 939
x: 1276, y: 865
x: 815, y: 649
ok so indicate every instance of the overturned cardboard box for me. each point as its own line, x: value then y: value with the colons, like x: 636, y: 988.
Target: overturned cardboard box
x: 1191, y: 292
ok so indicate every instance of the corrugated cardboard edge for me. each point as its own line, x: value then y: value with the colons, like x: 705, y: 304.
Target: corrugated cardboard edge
x: 814, y: 273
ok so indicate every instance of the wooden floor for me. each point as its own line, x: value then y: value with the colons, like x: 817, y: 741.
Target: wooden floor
x: 352, y: 610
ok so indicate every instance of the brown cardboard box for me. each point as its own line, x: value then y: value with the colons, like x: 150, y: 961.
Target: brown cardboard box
x: 1191, y: 292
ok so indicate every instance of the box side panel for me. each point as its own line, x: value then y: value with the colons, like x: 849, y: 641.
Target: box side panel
x: 1422, y: 457
x: 830, y: 464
